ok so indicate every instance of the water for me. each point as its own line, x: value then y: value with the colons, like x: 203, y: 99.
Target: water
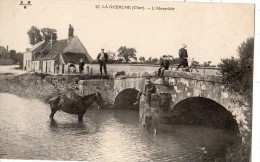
x: 106, y: 135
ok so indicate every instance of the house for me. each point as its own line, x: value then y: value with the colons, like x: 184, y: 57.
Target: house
x: 5, y: 56
x: 54, y: 56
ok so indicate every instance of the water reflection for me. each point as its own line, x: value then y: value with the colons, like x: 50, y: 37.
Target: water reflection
x: 104, y: 135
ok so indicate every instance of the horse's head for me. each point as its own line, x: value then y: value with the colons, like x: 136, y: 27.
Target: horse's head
x: 99, y: 99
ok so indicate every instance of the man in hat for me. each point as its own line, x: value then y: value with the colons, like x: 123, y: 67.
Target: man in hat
x: 148, y: 90
x: 164, y: 66
x: 183, y: 57
x: 102, y: 59
x: 81, y: 66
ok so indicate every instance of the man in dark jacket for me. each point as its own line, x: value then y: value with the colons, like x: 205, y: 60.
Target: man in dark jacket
x: 81, y: 66
x: 102, y: 59
x: 147, y: 92
x: 164, y: 66
x: 183, y: 57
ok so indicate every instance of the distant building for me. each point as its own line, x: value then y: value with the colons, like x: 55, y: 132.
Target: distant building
x: 46, y: 56
x: 5, y: 56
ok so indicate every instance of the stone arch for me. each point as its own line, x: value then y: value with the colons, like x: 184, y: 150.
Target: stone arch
x: 126, y: 98
x: 204, y: 112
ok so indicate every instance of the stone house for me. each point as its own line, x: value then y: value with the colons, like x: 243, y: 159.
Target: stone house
x: 53, y: 57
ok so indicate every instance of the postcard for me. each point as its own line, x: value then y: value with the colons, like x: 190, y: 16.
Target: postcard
x: 128, y: 80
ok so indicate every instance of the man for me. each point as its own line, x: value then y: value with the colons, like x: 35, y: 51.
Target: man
x: 81, y: 66
x: 164, y: 66
x: 148, y: 90
x: 193, y: 65
x: 102, y: 59
x: 183, y: 56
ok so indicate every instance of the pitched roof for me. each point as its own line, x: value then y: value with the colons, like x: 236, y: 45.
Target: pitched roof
x: 34, y: 47
x: 74, y: 57
x: 70, y: 52
x: 55, y: 49
x: 52, y: 50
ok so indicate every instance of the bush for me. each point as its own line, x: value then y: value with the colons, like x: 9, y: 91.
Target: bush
x: 238, y: 73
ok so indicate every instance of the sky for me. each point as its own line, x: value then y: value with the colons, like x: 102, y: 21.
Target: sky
x: 210, y: 31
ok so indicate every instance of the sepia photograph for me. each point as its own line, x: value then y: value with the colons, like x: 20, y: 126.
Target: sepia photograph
x: 127, y: 80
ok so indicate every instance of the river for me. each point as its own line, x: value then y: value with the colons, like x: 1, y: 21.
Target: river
x: 105, y: 135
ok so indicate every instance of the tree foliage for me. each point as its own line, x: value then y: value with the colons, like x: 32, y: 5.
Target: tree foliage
x: 206, y: 64
x: 34, y: 35
x: 238, y: 73
x: 49, y: 34
x: 142, y: 59
x: 126, y: 53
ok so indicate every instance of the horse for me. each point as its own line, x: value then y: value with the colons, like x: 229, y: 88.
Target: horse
x: 77, y: 105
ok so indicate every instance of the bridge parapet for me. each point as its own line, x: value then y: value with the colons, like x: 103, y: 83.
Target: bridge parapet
x: 193, y: 76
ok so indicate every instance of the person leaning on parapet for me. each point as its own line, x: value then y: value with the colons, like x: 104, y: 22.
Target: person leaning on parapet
x: 183, y: 56
x: 72, y: 68
x: 148, y: 90
x: 193, y: 65
x: 164, y: 66
x: 102, y: 60
x: 81, y: 66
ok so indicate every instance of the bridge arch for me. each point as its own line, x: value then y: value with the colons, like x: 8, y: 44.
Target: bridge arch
x: 204, y: 112
x: 126, y: 99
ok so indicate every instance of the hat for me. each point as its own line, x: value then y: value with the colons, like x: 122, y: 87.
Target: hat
x: 164, y: 56
x: 184, y: 45
x: 102, y: 48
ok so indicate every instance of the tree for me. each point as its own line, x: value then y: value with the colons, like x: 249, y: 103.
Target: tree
x: 49, y: 34
x: 238, y: 73
x: 206, y: 64
x: 19, y: 57
x: 120, y: 60
x: 34, y: 35
x: 142, y: 59
x: 13, y: 55
x: 126, y: 53
x: 155, y: 61
x: 111, y: 57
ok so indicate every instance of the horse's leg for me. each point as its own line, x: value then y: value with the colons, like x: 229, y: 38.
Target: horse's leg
x: 53, y: 111
x: 80, y: 117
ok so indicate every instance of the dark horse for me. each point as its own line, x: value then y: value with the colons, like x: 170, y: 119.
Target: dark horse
x: 76, y: 105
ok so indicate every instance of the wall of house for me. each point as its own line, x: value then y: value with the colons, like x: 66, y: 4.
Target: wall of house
x: 50, y: 66
x: 36, y: 66
x: 27, y: 60
x: 44, y: 66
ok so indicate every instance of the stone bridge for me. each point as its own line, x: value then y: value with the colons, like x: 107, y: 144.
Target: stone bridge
x: 182, y: 98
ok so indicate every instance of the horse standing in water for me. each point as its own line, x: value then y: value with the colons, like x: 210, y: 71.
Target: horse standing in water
x: 77, y: 105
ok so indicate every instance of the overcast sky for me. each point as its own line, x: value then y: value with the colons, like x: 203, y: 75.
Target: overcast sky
x: 211, y: 30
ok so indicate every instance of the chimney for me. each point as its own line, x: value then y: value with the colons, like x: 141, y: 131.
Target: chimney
x: 70, y: 34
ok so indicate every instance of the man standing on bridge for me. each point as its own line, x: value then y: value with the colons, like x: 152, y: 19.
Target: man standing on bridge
x: 148, y: 90
x: 102, y: 60
x: 183, y: 56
